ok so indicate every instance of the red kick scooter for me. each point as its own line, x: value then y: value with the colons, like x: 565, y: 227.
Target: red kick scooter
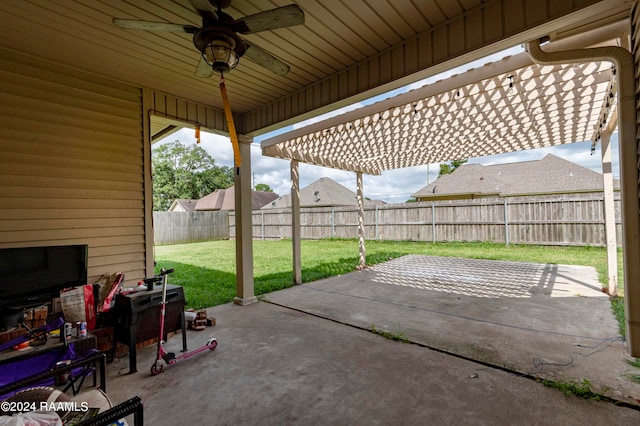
x: 170, y: 358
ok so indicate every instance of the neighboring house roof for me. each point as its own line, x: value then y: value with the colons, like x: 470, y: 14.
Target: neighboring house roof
x: 224, y: 199
x: 260, y: 199
x: 550, y: 175
x: 212, y: 201
x: 183, y: 205
x: 324, y: 192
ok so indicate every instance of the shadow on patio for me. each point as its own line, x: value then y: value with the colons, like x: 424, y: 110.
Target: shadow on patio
x: 311, y: 360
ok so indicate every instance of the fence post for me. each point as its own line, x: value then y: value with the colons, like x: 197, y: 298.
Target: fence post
x: 564, y: 223
x: 377, y: 232
x: 333, y: 222
x: 506, y: 222
x: 262, y: 223
x: 433, y: 222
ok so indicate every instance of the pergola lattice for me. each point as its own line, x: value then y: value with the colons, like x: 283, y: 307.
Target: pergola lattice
x: 506, y: 106
x: 470, y: 115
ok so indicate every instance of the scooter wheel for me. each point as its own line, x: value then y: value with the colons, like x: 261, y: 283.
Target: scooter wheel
x: 213, y: 344
x: 157, y: 368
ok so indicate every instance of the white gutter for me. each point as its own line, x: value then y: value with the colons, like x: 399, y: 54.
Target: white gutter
x: 623, y: 62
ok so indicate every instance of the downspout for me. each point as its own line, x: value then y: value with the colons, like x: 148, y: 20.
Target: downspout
x: 624, y: 68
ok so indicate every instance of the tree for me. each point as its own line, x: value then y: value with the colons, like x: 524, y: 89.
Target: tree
x: 263, y: 187
x: 448, y: 168
x: 181, y: 171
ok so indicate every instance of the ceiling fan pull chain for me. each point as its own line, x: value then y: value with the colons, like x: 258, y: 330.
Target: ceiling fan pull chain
x: 232, y: 128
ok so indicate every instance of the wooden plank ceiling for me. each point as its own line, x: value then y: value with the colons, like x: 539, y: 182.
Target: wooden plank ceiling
x: 345, y: 49
x: 335, y: 35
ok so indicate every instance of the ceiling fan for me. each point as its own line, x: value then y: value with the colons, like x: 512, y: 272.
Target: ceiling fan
x: 218, y: 40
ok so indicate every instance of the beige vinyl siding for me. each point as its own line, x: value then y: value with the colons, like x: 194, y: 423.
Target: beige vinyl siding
x: 72, y: 164
x: 167, y: 108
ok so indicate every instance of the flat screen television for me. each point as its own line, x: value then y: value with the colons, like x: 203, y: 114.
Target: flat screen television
x: 32, y: 276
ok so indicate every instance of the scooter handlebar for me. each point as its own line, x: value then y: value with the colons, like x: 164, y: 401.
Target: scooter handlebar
x: 157, y: 278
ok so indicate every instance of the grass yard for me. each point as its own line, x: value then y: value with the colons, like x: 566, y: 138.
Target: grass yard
x: 207, y: 270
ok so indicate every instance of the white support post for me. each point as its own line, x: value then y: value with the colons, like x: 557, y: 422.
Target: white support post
x: 609, y: 208
x: 295, y: 222
x: 244, y: 228
x: 361, y: 230
x: 148, y: 186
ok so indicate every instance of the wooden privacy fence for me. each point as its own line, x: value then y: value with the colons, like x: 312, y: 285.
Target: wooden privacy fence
x: 189, y: 227
x: 577, y: 220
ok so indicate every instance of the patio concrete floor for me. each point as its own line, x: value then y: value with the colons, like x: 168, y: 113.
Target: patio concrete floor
x: 304, y: 355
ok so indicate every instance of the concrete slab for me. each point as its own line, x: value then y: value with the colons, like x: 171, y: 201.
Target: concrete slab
x: 276, y: 366
x: 548, y: 321
x: 312, y: 360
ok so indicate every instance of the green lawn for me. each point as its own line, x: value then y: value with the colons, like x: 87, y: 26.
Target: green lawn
x: 207, y: 270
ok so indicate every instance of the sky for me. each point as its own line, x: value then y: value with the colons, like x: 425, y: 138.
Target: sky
x: 393, y: 186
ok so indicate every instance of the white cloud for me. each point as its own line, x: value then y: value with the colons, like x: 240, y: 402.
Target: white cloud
x: 219, y: 147
x: 396, y: 186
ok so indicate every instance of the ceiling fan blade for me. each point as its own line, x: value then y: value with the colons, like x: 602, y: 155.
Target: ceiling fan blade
x: 132, y: 24
x: 204, y: 7
x: 203, y: 69
x: 265, y: 59
x: 280, y: 17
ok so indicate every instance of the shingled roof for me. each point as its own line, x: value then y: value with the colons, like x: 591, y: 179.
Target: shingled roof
x: 550, y: 175
x: 224, y: 199
x: 183, y: 205
x: 324, y: 192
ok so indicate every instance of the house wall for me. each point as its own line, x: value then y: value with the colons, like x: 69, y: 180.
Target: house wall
x: 72, y: 164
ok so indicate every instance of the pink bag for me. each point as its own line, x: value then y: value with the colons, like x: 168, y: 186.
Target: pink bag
x: 110, y: 299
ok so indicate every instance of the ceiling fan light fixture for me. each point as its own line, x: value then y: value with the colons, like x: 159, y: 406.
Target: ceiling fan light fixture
x: 217, y: 39
x: 221, y: 55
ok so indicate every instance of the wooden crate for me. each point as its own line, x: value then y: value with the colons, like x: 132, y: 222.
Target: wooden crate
x: 104, y: 338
